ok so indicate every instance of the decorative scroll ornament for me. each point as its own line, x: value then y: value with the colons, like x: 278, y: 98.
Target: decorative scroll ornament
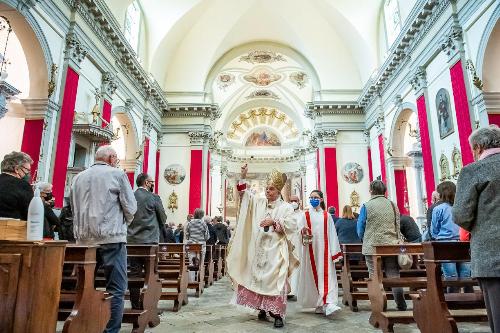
x: 173, y: 201
x: 419, y: 79
x: 300, y: 79
x: 74, y: 49
x: 475, y: 78
x: 456, y: 160
x: 109, y: 84
x: 224, y: 80
x: 52, y: 83
x: 327, y: 135
x: 263, y: 93
x: 262, y: 57
x: 199, y: 137
x: 354, y: 200
x: 444, y: 166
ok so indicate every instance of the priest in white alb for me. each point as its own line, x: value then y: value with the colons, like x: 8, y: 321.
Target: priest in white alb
x: 297, y: 243
x: 261, y: 257
x: 318, y: 287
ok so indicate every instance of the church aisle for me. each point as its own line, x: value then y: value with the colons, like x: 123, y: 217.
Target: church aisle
x: 213, y: 313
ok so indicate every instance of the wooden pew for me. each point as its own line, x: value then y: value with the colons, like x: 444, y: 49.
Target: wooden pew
x: 223, y: 256
x: 30, y: 285
x: 150, y: 286
x: 218, y: 262
x: 378, y: 284
x: 353, y: 276
x: 209, y: 266
x: 81, y: 306
x: 172, y: 270
x: 196, y: 268
x: 435, y: 311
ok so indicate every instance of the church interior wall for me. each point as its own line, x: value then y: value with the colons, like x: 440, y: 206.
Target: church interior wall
x: 375, y: 152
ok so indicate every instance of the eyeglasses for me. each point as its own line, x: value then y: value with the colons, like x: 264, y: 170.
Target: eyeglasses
x: 24, y: 169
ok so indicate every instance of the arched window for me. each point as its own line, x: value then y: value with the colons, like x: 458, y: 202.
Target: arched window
x: 132, y: 25
x: 392, y: 21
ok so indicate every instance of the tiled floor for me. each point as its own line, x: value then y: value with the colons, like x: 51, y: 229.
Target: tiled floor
x: 213, y: 313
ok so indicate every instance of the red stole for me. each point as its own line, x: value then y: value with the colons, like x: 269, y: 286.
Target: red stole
x: 325, y: 259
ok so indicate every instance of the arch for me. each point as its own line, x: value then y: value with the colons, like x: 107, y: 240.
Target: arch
x: 131, y: 142
x: 35, y: 46
x: 405, y: 111
x: 485, y: 38
x: 271, y: 46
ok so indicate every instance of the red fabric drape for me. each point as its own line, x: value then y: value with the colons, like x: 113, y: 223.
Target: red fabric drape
x: 157, y: 172
x: 131, y: 177
x: 145, y: 161
x: 462, y: 111
x: 370, y: 166
x: 494, y: 118
x: 64, y: 136
x: 195, y: 179
x: 318, y: 169
x: 32, y: 142
x: 426, y: 148
x: 401, y: 190
x: 332, y: 185
x: 106, y: 113
x: 207, y: 201
x: 381, y: 151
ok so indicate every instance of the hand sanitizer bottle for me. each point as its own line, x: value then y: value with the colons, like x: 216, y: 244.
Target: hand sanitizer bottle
x: 34, y: 230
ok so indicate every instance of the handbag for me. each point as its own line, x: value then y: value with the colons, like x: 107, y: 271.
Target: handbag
x: 405, y: 261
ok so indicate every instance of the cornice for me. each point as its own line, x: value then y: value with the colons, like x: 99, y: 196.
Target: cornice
x: 421, y: 20
x: 314, y: 109
x: 188, y: 110
x: 100, y: 19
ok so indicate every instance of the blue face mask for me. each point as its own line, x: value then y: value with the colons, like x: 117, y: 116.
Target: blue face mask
x: 314, y: 202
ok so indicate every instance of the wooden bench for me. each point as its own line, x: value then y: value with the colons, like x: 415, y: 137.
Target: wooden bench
x: 435, y: 311
x: 209, y: 266
x: 196, y: 268
x: 172, y: 270
x: 218, y: 262
x: 81, y: 306
x: 353, y: 276
x: 379, y: 286
x: 224, y: 257
x: 150, y: 286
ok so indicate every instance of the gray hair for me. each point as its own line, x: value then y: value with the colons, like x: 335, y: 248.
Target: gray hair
x: 15, y: 160
x: 198, y: 213
x: 207, y: 219
x: 485, y: 137
x: 44, y: 186
x: 104, y: 152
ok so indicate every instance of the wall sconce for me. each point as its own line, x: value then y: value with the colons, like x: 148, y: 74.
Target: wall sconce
x: 4, y: 27
x: 172, y: 201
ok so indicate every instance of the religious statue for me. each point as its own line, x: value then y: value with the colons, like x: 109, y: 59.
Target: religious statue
x: 354, y: 200
x: 444, y: 165
x: 456, y: 159
x: 96, y: 112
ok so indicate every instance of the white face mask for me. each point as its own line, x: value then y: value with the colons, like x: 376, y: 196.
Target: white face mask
x: 295, y: 205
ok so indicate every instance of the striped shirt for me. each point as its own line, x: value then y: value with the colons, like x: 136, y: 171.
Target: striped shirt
x: 196, y: 232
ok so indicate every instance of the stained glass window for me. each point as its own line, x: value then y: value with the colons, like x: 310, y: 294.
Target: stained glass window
x: 392, y: 21
x: 132, y: 25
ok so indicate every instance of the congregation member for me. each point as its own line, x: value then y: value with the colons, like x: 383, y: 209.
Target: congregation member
x: 212, y: 239
x: 103, y: 205
x: 51, y: 222
x: 222, y: 231
x: 149, y: 220
x: 16, y: 192
x: 169, y: 234
x: 378, y: 224
x: 179, y: 234
x: 196, y: 230
x: 409, y: 229
x: 318, y: 286
x: 66, y: 222
x: 443, y: 228
x: 346, y: 227
x: 229, y: 227
x: 477, y: 210
x: 297, y: 243
x: 261, y: 257
x: 332, y: 212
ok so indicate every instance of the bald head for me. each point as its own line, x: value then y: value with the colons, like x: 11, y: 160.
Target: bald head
x: 294, y: 198
x: 435, y: 197
x: 107, y: 154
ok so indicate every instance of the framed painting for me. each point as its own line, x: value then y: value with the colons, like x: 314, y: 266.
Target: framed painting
x: 444, y: 113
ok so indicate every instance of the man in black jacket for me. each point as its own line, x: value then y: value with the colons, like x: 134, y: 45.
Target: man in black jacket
x: 222, y: 231
x: 409, y: 229
x: 16, y: 192
x: 145, y: 228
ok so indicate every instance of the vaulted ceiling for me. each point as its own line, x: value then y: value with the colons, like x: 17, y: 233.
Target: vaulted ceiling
x: 185, y: 39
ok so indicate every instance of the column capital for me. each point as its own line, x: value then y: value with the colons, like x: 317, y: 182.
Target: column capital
x: 75, y: 52
x: 416, y: 160
x: 418, y: 80
x: 199, y: 138
x: 36, y: 108
x: 108, y: 85
x: 398, y: 162
x: 452, y: 43
x: 7, y: 91
x: 327, y: 136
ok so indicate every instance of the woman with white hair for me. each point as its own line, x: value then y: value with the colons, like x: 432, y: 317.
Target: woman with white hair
x: 51, y: 222
x: 477, y: 210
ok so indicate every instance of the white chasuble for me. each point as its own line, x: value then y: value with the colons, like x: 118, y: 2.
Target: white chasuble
x: 297, y: 242
x: 262, y: 261
x: 317, y: 278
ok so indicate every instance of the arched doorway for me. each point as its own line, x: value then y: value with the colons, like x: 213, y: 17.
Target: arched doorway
x: 491, y: 75
x: 125, y: 142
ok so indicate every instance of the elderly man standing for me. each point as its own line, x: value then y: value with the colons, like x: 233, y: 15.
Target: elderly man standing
x: 261, y: 255
x: 16, y: 192
x: 103, y: 205
x: 477, y: 209
x: 297, y: 243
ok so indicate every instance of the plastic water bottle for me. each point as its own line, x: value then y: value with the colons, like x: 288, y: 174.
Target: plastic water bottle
x: 34, y: 230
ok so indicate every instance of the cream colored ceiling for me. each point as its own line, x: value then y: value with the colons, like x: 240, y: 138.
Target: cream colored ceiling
x: 186, y: 38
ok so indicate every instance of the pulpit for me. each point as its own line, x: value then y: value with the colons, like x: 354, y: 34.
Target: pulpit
x: 30, y: 284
